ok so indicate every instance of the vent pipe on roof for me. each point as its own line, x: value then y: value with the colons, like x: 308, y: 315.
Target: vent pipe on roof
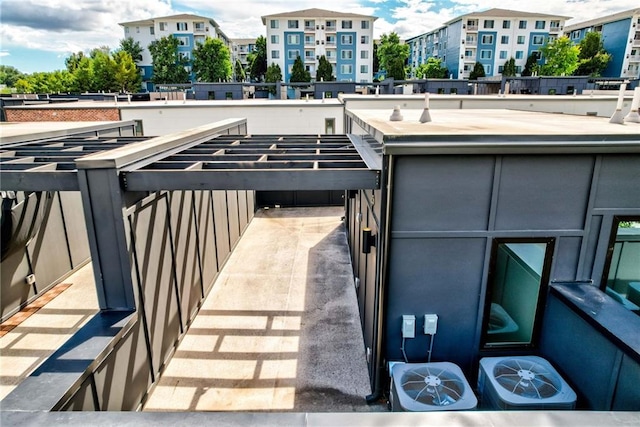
x: 617, y: 116
x: 425, y: 117
x: 396, y: 116
x: 634, y: 114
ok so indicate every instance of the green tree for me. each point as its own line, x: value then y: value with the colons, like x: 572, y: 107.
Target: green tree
x: 432, y: 69
x: 258, y: 60
x: 238, y: 71
x: 132, y: 47
x: 104, y: 72
x: 212, y: 61
x: 72, y: 62
x: 298, y: 72
x: 325, y: 70
x: 509, y: 69
x: 560, y: 57
x: 593, y: 59
x: 83, y: 75
x: 168, y: 65
x: 376, y: 61
x: 531, y: 67
x: 126, y: 72
x: 477, y: 72
x: 273, y: 75
x: 23, y: 85
x: 9, y: 75
x: 393, y: 55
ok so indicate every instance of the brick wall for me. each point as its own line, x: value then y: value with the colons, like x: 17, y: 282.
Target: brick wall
x: 62, y: 115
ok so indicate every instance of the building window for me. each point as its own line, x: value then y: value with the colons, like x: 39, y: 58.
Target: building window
x: 346, y: 54
x: 500, y: 69
x: 503, y: 54
x: 364, y: 69
x: 185, y: 55
x: 488, y: 23
x: 522, y: 25
x: 275, y: 54
x: 292, y: 23
x: 152, y: 30
x: 486, y: 54
x: 540, y: 25
x: 487, y: 39
x: 309, y: 54
x: 504, y: 40
x: 293, y: 53
x: 331, y: 25
x: 331, y: 40
x: 537, y: 40
x: 126, y: 30
x: 293, y: 38
x: 274, y: 23
x: 138, y: 30
x: 183, y: 41
x: 364, y: 39
x: 346, y: 69
x: 198, y: 26
x: 346, y: 39
x: 517, y: 285
x: 519, y: 54
x: 364, y: 54
x: 309, y: 24
x: 621, y: 278
x: 487, y: 69
x: 347, y: 25
x: 364, y: 25
x: 468, y: 53
x: 309, y: 40
x: 506, y: 24
x: 329, y: 125
x: 163, y: 26
x: 575, y: 34
x: 182, y: 26
x: 275, y: 39
x: 520, y: 39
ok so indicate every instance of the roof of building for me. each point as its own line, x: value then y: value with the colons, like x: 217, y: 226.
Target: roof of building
x: 244, y: 41
x: 602, y: 20
x: 316, y: 13
x: 506, y: 13
x: 150, y: 21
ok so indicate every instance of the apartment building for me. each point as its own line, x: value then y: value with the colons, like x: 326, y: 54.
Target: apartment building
x: 190, y: 30
x: 620, y: 37
x: 491, y: 37
x: 345, y: 39
x: 240, y: 50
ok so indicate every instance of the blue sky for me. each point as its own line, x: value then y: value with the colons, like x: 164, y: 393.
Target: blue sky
x: 37, y: 35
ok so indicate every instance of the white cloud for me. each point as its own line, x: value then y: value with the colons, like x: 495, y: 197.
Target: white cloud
x: 4, y: 53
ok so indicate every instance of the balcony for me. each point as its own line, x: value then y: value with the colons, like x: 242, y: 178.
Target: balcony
x: 471, y: 42
x: 472, y: 28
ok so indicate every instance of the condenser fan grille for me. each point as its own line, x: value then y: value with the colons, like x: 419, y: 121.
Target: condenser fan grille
x: 526, y: 378
x: 432, y: 386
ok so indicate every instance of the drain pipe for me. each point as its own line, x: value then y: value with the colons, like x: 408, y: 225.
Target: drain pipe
x: 380, y: 296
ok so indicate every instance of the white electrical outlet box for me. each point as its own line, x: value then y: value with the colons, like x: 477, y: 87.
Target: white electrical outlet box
x: 430, y: 324
x: 408, y: 326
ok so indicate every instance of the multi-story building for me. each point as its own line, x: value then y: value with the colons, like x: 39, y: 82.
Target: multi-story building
x: 190, y: 30
x: 345, y: 39
x: 620, y: 37
x: 241, y: 48
x: 491, y: 38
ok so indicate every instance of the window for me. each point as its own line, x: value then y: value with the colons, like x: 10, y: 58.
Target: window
x: 331, y: 40
x: 309, y: 24
x: 520, y: 39
x: 346, y: 39
x: 293, y: 53
x: 540, y: 25
x: 364, y: 69
x: 329, y: 125
x: 522, y: 25
x: 309, y: 54
x: 621, y: 278
x: 292, y: 23
x: 500, y: 69
x: 347, y: 25
x: 487, y: 39
x: 183, y: 41
x: 138, y: 30
x: 518, y: 277
x: 163, y: 26
x: 537, y: 40
x: 185, y: 55
x: 488, y: 23
x: 275, y: 39
x: 182, y: 26
x: 346, y: 69
x: 487, y: 69
x: 503, y: 54
x: 293, y: 38
x: 346, y: 54
x: 364, y: 25
x: 152, y: 30
x: 309, y: 40
x: 504, y: 40
x: 519, y: 54
x: 331, y: 25
x: 198, y: 26
x: 506, y: 24
x: 274, y: 23
x: 126, y: 30
x: 364, y: 54
x: 468, y: 53
x: 486, y: 54
x: 364, y: 39
x: 275, y: 54
x: 575, y: 34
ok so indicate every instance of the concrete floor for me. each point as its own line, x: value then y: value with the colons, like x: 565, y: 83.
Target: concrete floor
x: 280, y: 330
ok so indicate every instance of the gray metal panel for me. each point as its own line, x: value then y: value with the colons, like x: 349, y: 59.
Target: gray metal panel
x: 83, y: 399
x: 233, y: 217
x: 619, y: 182
x: 221, y: 220
x: 441, y: 276
x: 627, y: 396
x: 207, y: 238
x: 242, y: 210
x: 442, y: 193
x: 543, y: 192
x: 38, y: 181
x: 15, y: 291
x: 567, y: 255
x: 50, y: 240
x: 155, y: 265
x: 76, y: 229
